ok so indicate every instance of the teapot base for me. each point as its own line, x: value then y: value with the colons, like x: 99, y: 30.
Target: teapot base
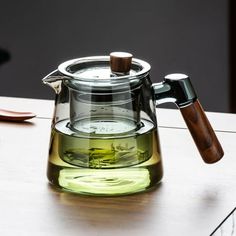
x: 106, y: 182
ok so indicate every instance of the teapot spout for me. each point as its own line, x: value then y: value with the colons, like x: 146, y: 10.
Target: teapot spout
x: 54, y: 80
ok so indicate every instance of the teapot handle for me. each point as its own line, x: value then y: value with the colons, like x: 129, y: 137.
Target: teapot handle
x: 177, y: 88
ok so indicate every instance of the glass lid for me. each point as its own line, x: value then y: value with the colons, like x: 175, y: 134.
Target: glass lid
x: 105, y: 68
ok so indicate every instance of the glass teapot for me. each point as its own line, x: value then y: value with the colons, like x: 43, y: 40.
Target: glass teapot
x: 104, y: 138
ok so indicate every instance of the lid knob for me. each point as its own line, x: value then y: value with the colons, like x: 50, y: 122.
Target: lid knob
x: 120, y: 62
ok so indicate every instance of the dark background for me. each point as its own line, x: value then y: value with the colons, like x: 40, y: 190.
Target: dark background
x: 187, y: 36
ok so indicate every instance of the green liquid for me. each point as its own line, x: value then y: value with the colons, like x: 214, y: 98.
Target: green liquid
x: 110, y: 157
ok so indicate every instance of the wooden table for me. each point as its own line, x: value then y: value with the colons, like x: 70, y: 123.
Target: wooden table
x: 192, y: 199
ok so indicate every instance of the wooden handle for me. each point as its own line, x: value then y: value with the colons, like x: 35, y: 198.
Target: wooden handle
x: 202, y: 132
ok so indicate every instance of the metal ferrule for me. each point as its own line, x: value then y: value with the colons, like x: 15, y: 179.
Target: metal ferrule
x: 176, y: 88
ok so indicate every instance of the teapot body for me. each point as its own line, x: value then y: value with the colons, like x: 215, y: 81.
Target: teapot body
x: 104, y: 138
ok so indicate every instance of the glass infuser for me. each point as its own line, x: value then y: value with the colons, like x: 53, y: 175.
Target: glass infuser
x: 104, y: 138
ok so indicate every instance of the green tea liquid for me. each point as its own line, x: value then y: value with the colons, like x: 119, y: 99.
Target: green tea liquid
x: 104, y: 157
